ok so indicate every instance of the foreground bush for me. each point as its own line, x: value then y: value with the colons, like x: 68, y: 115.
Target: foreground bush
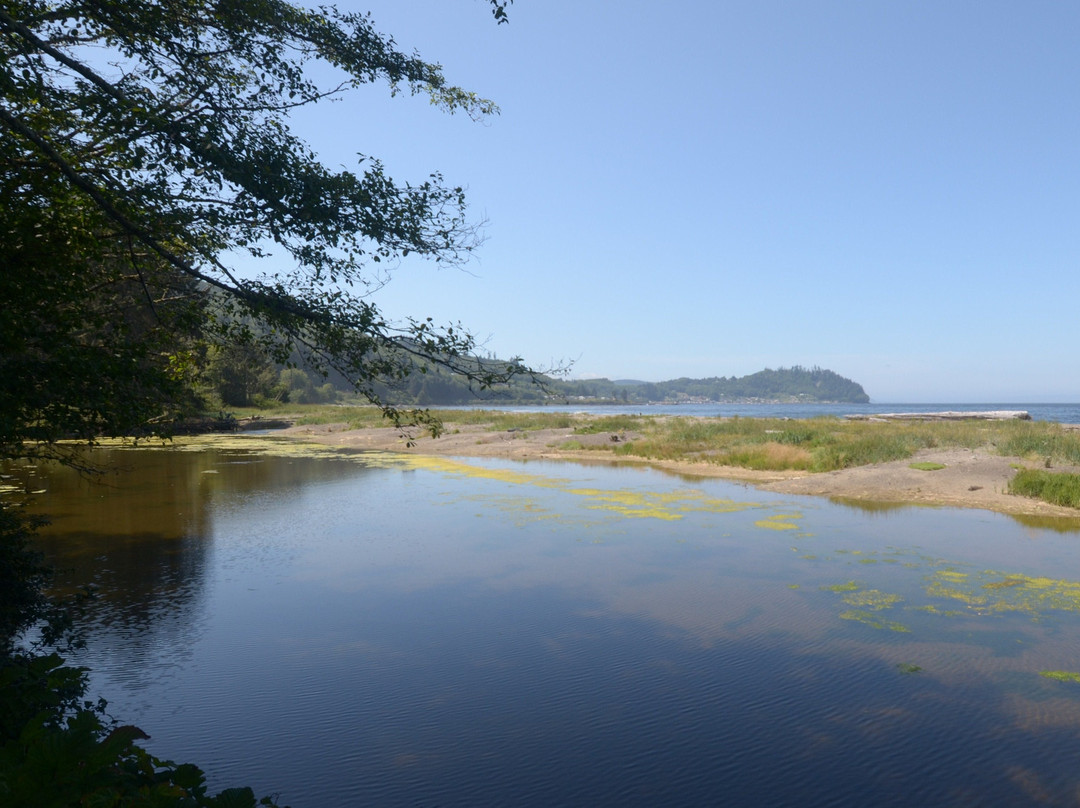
x: 58, y: 749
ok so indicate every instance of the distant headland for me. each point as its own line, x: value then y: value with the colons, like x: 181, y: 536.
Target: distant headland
x: 784, y: 385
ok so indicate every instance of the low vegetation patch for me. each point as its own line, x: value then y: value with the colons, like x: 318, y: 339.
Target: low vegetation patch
x: 767, y: 444
x: 1055, y: 487
x: 611, y: 423
x: 926, y: 466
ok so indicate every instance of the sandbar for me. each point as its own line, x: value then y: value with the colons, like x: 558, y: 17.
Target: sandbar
x: 970, y: 478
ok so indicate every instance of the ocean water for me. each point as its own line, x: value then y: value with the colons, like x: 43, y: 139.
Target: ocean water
x: 1061, y: 413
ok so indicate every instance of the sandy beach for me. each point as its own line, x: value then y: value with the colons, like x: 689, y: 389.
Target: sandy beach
x: 969, y: 479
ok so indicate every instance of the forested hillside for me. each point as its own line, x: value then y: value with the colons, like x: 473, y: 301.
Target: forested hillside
x: 782, y: 385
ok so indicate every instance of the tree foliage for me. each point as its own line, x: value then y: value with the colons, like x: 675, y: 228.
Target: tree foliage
x: 97, y: 336
x: 146, y: 150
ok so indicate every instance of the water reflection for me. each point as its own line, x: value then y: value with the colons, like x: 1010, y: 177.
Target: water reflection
x: 407, y: 631
x: 142, y: 534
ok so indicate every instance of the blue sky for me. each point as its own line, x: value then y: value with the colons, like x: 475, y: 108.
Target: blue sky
x: 890, y: 190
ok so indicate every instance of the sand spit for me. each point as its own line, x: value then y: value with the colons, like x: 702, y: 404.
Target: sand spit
x: 969, y: 479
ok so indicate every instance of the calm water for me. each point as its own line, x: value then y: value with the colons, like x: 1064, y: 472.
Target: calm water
x: 364, y: 630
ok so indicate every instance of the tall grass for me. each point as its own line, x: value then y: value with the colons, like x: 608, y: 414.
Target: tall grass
x: 814, y: 444
x: 611, y: 423
x: 1052, y: 442
x: 833, y: 444
x: 1055, y: 487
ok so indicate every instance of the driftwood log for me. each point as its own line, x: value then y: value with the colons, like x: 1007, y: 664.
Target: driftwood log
x: 989, y: 415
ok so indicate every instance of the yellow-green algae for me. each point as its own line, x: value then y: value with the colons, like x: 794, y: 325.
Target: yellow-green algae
x: 1013, y: 581
x: 952, y: 575
x: 930, y: 608
x: 1061, y: 676
x: 668, y: 506
x: 997, y: 592
x: 850, y: 586
x: 780, y: 521
x: 873, y: 600
x: 873, y: 620
x: 868, y: 602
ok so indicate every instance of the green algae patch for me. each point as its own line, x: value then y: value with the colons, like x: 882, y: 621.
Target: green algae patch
x: 850, y: 586
x: 873, y: 600
x: 1061, y: 676
x: 780, y: 521
x: 1034, y: 594
x: 954, y: 585
x: 454, y: 467
x: 926, y: 466
x: 874, y: 621
x: 1005, y: 584
x: 908, y: 669
x: 666, y: 506
x: 992, y: 592
x: 633, y: 504
x: 930, y: 608
x: 952, y: 575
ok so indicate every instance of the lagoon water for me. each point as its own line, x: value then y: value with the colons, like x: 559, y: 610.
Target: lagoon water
x: 366, y: 629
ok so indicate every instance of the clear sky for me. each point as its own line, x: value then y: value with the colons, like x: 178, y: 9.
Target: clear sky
x: 890, y: 190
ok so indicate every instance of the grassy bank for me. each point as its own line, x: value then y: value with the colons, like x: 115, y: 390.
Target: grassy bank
x: 829, y: 444
x: 1057, y: 488
x: 817, y: 444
